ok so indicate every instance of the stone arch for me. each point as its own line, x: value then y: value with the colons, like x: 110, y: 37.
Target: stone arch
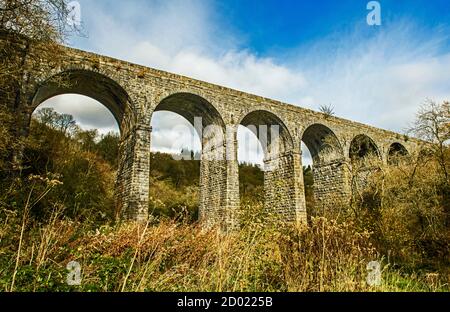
x: 191, y: 106
x: 203, y: 116
x: 396, y: 152
x: 329, y: 172
x: 283, y: 179
x: 271, y: 131
x: 94, y: 85
x: 322, y: 143
x: 365, y: 158
x: 131, y: 181
x: 218, y: 181
x: 362, y: 147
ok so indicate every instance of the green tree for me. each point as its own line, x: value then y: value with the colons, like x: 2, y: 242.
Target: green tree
x: 108, y: 148
x: 87, y: 139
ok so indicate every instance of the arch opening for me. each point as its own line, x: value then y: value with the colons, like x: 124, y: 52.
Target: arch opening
x: 365, y: 159
x: 192, y: 107
x: 308, y: 180
x: 93, y: 85
x: 397, y: 153
x: 271, y: 132
x: 322, y: 143
x: 75, y: 139
x: 322, y: 153
x: 174, y: 167
x: 251, y: 165
x: 280, y: 167
x: 187, y: 143
x: 363, y: 148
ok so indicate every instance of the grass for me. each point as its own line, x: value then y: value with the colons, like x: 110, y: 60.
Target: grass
x: 171, y: 256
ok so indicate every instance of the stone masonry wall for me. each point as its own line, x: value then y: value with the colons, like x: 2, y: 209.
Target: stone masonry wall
x: 331, y: 185
x: 133, y: 177
x: 219, y: 189
x: 283, y: 185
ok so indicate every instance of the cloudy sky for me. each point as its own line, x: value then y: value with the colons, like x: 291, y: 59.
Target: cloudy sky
x: 307, y: 53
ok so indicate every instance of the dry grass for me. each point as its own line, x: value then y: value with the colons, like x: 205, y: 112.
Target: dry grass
x: 169, y: 256
x: 398, y: 217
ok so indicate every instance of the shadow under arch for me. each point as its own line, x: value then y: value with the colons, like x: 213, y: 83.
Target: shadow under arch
x: 397, y: 152
x: 329, y: 186
x: 91, y: 84
x: 322, y: 143
x: 363, y: 147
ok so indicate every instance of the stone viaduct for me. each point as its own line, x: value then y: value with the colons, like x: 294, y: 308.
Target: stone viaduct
x: 133, y: 92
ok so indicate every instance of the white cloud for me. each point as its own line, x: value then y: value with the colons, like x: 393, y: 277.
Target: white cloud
x: 88, y: 113
x: 381, y: 79
x: 171, y: 133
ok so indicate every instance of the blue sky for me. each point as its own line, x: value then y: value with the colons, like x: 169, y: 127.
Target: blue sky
x: 307, y: 53
x: 272, y: 25
x: 265, y: 27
